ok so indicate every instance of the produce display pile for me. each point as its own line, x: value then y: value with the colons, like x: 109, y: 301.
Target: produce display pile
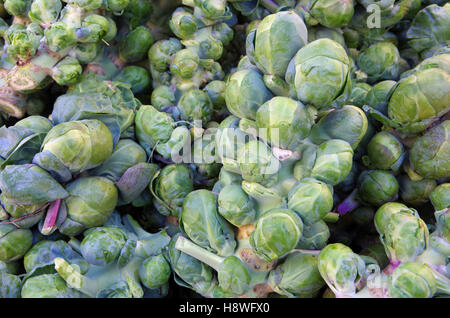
x: 214, y: 148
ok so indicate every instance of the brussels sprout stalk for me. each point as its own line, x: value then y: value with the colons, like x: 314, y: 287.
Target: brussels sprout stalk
x: 349, y: 204
x: 50, y: 217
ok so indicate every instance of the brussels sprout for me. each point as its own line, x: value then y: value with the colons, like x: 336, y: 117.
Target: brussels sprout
x: 341, y: 269
x: 91, y: 202
x: 16, y: 7
x: 183, y: 24
x: 429, y: 154
x: 172, y: 186
x: 320, y: 74
x: 378, y: 97
x: 416, y: 102
x: 332, y: 14
x: 138, y: 77
x: 185, y: 63
x: 412, y: 280
x: 315, y: 236
x: 26, y: 188
x: 39, y: 259
x: 297, y: 276
x: 14, y: 242
x: 277, y: 232
x: 236, y: 206
x: 190, y: 272
x: 385, y: 152
x: 380, y: 62
x: 48, y: 286
x: 136, y: 44
x: 154, y: 271
x: 23, y: 41
x: 275, y: 41
x: 152, y: 127
x: 216, y: 92
x: 74, y: 147
x: 283, y: 122
x: 245, y: 93
x: 160, y: 54
x: 59, y: 36
x: 200, y: 220
x: 320, y: 32
x: 67, y: 71
x: 195, y: 105
x: 330, y: 162
x: 103, y: 246
x: 440, y: 197
x: 10, y: 285
x: 429, y: 28
x: 137, y: 12
x: 163, y: 97
x: 377, y: 187
x: 348, y: 123
x: 415, y: 192
x: 311, y: 200
x: 403, y: 234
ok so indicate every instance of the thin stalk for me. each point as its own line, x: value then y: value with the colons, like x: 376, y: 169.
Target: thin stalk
x: 186, y: 246
x: 270, y: 5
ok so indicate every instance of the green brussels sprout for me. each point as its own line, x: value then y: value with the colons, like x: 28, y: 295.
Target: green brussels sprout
x: 256, y: 163
x: 27, y: 188
x: 116, y: 6
x: 160, y: 54
x: 154, y: 271
x: 45, y: 11
x: 93, y: 28
x: 10, y: 285
x: 185, y: 64
x: 14, y: 242
x: 440, y: 197
x: 90, y: 204
x: 440, y: 61
x: 17, y: 8
x: 136, y: 44
x: 194, y: 105
x: 190, y: 272
x: 200, y: 220
x: 380, y: 61
x: 297, y: 276
x: 245, y: 93
x: 378, y: 97
x: 320, y: 74
x: 73, y: 147
x: 23, y: 41
x: 377, y: 187
x: 163, y: 97
x: 138, y: 77
x: 183, y: 24
x: 213, y: 10
x: 103, y: 245
x: 412, y: 280
x: 48, y: 286
x: 311, y: 200
x: 152, y: 127
x: 137, y: 12
x: 59, y: 36
x: 216, y: 92
x: 416, y: 102
x: 236, y: 206
x: 67, y: 71
x: 172, y: 186
x: 341, y: 269
x: 429, y: 28
x: 273, y: 44
x: 415, y: 192
x: 348, y: 123
x: 315, y: 236
x: 233, y: 276
x: 330, y: 162
x: 277, y: 232
x: 363, y: 216
x: 429, y: 154
x: 320, y: 32
x: 86, y: 52
x: 403, y: 233
x: 126, y: 154
x: 385, y: 152
x: 283, y: 122
x: 332, y: 14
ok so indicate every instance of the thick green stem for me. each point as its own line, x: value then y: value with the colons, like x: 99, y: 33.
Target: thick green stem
x: 270, y: 5
x: 186, y: 246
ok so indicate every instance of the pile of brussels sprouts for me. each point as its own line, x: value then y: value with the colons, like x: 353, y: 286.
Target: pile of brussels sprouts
x: 214, y: 148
